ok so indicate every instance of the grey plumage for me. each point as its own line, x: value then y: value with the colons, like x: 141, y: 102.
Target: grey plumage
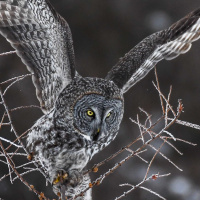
x: 82, y: 115
x: 43, y: 40
x: 61, y: 143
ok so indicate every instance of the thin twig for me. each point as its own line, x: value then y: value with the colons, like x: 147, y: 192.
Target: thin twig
x: 15, y: 81
x: 167, y: 106
x: 141, y: 132
x: 7, y: 53
x: 17, y: 136
x: 18, y: 77
x: 24, y: 107
x: 148, y: 168
x: 10, y: 119
x: 158, y: 86
x: 24, y: 173
x: 188, y: 124
x: 12, y: 143
x: 16, y: 172
x: 148, y: 117
x: 166, y: 158
x: 152, y: 177
x: 151, y: 191
x: 2, y: 119
x: 160, y: 93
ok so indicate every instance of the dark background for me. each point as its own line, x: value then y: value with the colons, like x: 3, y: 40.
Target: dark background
x: 102, y: 32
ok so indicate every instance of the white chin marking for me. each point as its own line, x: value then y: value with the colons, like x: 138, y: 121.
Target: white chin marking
x: 86, y: 136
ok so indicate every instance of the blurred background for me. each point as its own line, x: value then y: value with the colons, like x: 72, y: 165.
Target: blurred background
x: 103, y: 31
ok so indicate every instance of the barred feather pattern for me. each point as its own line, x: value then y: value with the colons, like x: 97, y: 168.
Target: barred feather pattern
x: 59, y: 143
x: 54, y: 151
x: 166, y: 44
x: 43, y: 40
x: 66, y: 137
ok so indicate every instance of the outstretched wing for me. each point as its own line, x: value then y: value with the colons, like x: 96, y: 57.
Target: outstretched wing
x: 166, y: 44
x: 43, y: 41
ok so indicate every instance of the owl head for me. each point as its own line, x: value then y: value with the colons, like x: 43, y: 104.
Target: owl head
x: 93, y: 106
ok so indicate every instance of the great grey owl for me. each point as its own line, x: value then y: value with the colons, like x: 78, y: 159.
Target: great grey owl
x: 81, y: 115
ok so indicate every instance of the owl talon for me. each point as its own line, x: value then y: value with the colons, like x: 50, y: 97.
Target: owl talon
x: 60, y: 178
x: 73, y: 178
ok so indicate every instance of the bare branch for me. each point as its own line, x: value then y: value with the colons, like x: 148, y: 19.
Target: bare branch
x: 151, y: 191
x: 12, y: 143
x: 7, y: 53
x: 16, y: 172
x: 16, y: 78
x: 160, y: 93
x: 188, y: 124
x: 152, y: 177
x: 167, y: 106
x: 10, y: 119
x: 158, y: 86
x: 166, y: 158
x: 145, y: 177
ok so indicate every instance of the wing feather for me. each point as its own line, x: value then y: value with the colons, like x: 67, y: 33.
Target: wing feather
x: 43, y: 40
x: 166, y: 44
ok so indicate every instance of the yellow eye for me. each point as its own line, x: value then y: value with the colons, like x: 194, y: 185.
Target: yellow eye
x: 90, y: 113
x: 108, y: 115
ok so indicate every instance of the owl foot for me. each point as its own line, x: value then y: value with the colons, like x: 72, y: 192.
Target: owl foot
x: 60, y: 178
x: 72, y: 178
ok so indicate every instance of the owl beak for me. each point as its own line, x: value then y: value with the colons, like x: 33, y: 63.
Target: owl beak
x: 96, y: 134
